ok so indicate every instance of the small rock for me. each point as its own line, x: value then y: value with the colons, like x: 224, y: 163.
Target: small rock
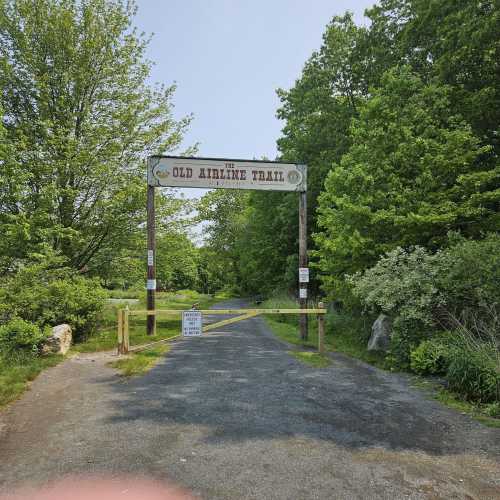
x: 59, y: 341
x: 381, y: 334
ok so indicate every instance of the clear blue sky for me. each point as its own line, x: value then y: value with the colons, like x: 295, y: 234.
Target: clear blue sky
x: 228, y: 57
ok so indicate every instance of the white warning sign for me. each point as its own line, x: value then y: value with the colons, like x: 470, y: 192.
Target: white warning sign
x: 191, y: 323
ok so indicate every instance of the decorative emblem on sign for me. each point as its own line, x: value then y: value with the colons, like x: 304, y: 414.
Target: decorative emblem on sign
x: 294, y: 177
x: 161, y: 172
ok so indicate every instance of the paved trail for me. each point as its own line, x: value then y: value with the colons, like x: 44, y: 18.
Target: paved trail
x: 232, y: 416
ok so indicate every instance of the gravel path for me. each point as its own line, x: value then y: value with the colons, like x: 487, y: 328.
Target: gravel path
x: 232, y: 416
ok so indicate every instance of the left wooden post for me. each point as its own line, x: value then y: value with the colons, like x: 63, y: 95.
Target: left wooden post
x: 126, y: 333
x: 120, y: 331
x: 151, y: 282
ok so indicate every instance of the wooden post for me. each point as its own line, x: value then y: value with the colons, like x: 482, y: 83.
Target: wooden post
x: 120, y: 331
x: 321, y: 330
x: 126, y: 338
x: 303, y: 323
x: 151, y: 283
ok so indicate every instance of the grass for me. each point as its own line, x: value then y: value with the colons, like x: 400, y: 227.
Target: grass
x: 140, y: 362
x: 454, y: 401
x: 18, y: 370
x: 311, y: 358
x: 167, y: 326
x: 343, y: 332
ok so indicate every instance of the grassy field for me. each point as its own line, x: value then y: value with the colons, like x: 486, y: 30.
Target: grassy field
x: 167, y: 326
x: 17, y: 370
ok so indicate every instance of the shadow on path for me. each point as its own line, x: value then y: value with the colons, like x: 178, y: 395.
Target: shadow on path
x: 241, y: 384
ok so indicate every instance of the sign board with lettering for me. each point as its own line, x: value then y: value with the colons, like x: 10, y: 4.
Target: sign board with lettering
x: 191, y: 323
x: 178, y: 171
x: 303, y: 275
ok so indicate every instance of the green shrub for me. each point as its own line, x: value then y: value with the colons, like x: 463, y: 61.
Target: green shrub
x: 431, y: 357
x: 424, y: 292
x: 493, y: 410
x: 49, y: 294
x: 474, y: 374
x: 472, y: 277
x: 20, y: 334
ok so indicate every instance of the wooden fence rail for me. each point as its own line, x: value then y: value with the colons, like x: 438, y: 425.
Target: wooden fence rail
x: 124, y: 315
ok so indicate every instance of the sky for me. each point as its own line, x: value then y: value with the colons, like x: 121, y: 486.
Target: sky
x: 228, y: 57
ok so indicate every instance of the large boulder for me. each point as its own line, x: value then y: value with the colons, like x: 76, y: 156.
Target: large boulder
x: 59, y: 341
x: 380, y: 338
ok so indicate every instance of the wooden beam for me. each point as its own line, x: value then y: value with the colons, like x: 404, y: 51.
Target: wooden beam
x: 225, y: 322
x: 139, y: 312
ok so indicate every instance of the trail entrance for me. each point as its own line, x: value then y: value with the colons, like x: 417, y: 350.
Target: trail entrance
x: 227, y: 173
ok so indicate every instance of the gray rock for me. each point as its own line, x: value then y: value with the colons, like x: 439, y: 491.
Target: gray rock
x: 381, y: 334
x: 59, y: 341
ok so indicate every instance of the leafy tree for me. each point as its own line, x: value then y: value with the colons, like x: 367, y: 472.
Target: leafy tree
x: 224, y: 211
x: 80, y: 118
x: 212, y: 275
x: 176, y: 262
x: 455, y: 42
x: 412, y: 174
x: 316, y: 112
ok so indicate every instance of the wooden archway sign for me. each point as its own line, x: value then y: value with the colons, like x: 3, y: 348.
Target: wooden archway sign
x: 226, y: 173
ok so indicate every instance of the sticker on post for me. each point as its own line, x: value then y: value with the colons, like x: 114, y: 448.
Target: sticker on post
x: 191, y: 323
x: 302, y: 293
x: 303, y: 275
x: 150, y: 258
x: 151, y: 285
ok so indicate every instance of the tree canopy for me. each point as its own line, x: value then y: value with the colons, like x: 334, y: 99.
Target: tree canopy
x: 80, y: 118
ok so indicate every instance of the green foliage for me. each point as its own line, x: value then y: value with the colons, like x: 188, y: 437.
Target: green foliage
x: 141, y: 362
x: 473, y: 274
x: 18, y: 368
x: 404, y: 181
x: 422, y: 292
x: 176, y: 262
x: 20, y: 334
x: 402, y: 284
x: 493, y: 410
x: 431, y: 357
x: 220, y: 263
x: 474, y: 374
x: 311, y: 358
x: 45, y: 293
x: 79, y: 119
x: 454, y: 42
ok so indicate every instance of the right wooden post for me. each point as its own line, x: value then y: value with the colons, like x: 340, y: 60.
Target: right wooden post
x: 303, y: 261
x: 120, y: 331
x: 321, y: 330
